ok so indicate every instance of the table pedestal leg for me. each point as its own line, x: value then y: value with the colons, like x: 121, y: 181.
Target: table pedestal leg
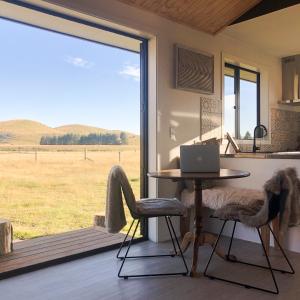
x: 206, y: 238
x: 188, y: 239
x: 200, y: 238
x: 198, y: 226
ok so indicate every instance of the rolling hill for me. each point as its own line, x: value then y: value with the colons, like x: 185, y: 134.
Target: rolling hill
x: 27, y: 132
x: 83, y: 129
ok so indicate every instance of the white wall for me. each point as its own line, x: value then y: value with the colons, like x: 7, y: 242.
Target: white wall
x: 176, y: 108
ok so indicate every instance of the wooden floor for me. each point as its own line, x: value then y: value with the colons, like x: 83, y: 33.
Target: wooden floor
x: 44, y: 251
x: 95, y: 277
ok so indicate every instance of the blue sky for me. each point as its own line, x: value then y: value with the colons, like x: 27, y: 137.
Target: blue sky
x: 248, y: 114
x: 59, y: 80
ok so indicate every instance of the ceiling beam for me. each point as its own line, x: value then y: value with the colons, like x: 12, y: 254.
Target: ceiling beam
x: 265, y: 7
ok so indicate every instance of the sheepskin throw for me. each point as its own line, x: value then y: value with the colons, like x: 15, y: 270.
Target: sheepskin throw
x: 219, y: 196
x: 281, y: 194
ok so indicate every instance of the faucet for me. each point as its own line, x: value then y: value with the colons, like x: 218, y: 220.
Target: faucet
x: 259, y: 132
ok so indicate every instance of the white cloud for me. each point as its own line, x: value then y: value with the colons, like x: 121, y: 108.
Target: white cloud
x: 131, y: 71
x: 79, y: 62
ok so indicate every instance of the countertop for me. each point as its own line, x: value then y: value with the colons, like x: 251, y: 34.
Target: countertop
x: 264, y: 155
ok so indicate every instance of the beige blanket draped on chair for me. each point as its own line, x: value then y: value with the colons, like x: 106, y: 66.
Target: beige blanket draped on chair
x: 115, y: 218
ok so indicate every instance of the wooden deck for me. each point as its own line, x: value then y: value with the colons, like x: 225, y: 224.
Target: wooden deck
x: 45, y: 251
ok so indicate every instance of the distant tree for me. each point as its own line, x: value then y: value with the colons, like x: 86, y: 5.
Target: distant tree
x: 247, y: 136
x: 43, y: 140
x: 90, y: 139
x: 124, y: 138
x: 5, y: 137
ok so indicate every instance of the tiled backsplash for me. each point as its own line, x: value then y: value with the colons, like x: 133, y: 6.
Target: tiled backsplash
x: 284, y: 130
x: 211, y: 118
x: 284, y: 127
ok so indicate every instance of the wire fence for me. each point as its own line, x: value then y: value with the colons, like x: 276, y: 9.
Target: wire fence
x: 85, y: 154
x: 65, y: 186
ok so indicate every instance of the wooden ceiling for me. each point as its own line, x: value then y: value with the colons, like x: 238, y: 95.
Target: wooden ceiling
x: 209, y: 16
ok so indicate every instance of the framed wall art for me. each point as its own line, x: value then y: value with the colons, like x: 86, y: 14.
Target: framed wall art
x: 194, y: 70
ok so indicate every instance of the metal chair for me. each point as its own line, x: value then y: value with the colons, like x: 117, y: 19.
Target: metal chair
x: 274, y: 207
x: 175, y: 253
x: 145, y: 209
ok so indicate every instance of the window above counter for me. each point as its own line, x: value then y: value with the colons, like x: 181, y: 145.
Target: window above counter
x: 241, y: 101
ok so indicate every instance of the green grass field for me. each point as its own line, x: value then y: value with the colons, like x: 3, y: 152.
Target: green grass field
x: 55, y: 189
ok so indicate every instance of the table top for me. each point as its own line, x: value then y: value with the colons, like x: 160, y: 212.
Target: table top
x: 177, y: 174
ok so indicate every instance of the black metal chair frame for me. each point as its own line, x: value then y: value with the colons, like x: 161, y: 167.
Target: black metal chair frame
x: 175, y: 253
x: 232, y: 258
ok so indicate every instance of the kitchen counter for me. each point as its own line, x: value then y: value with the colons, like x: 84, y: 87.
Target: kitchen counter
x: 264, y: 155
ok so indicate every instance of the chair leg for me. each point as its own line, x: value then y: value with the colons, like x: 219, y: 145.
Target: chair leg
x: 269, y: 265
x: 118, y: 254
x: 276, y: 241
x: 171, y: 229
x: 147, y: 256
x: 228, y: 256
x: 178, y: 245
x: 275, y: 225
x: 265, y: 267
x: 126, y: 253
x: 214, y: 249
x: 276, y: 291
x: 174, y: 247
x: 265, y: 233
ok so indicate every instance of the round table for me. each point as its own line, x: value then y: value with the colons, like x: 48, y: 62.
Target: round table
x: 198, y: 178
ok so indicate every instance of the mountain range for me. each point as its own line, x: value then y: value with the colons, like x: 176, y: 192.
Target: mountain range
x: 28, y: 132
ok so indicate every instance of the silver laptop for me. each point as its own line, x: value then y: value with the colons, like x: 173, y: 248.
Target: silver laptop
x: 200, y: 158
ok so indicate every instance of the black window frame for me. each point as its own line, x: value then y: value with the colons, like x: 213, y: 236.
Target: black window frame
x: 236, y: 70
x: 144, y: 125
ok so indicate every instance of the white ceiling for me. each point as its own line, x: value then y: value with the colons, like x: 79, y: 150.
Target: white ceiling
x: 276, y: 33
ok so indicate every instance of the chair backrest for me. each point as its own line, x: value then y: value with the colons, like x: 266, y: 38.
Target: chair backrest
x: 118, y: 173
x: 282, y: 192
x: 276, y: 203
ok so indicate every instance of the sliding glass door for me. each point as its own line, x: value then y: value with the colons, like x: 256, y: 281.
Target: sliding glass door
x: 71, y: 109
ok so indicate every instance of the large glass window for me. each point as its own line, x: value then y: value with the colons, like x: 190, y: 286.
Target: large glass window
x: 70, y: 111
x: 242, y: 101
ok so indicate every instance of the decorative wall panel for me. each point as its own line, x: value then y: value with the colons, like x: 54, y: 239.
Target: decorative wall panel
x: 210, y: 118
x: 194, y: 71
